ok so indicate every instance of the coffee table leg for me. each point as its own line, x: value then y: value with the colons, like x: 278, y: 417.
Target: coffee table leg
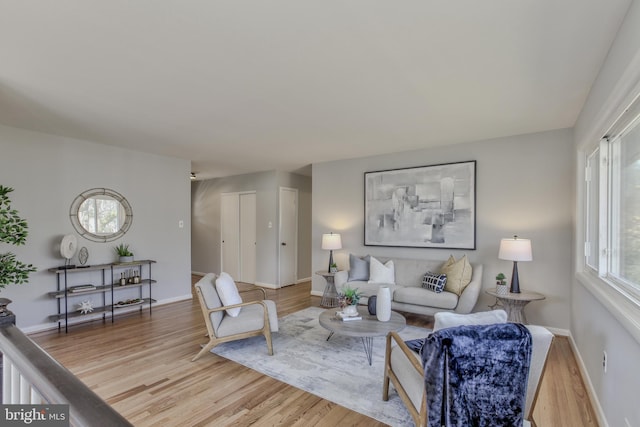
x: 367, y: 343
x: 330, y: 335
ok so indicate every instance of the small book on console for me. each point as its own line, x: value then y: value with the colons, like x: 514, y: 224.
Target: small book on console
x: 82, y: 288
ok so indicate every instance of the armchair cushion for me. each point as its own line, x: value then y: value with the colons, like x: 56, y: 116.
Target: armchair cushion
x: 251, y: 318
x: 228, y: 292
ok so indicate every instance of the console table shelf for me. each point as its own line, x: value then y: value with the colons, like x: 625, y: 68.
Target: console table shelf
x: 107, y: 289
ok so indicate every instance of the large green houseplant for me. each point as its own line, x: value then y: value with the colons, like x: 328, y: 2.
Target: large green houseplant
x: 13, y: 230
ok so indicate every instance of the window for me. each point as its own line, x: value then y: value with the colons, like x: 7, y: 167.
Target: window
x: 101, y: 215
x: 612, y: 211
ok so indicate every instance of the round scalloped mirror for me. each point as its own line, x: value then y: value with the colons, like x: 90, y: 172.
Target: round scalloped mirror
x: 101, y: 215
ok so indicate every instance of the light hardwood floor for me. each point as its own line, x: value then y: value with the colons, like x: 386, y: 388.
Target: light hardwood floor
x: 141, y: 366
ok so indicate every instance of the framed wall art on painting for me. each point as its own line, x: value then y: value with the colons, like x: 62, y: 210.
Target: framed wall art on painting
x: 423, y: 207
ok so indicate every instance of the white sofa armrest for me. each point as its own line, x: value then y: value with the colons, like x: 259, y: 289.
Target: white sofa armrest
x: 341, y: 278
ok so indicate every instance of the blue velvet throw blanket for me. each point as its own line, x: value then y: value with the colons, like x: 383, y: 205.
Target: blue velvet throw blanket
x: 477, y: 375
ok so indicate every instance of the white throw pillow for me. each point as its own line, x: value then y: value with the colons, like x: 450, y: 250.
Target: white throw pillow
x: 379, y: 273
x: 444, y: 319
x: 228, y: 292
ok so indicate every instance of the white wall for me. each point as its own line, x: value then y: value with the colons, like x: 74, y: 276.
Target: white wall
x: 594, y: 327
x: 524, y: 187
x: 205, y: 199
x: 47, y: 172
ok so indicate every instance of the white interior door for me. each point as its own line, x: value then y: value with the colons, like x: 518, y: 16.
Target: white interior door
x: 288, y: 254
x: 247, y: 238
x: 230, y: 233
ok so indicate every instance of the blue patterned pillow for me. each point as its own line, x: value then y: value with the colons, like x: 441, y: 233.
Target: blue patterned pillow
x: 434, y: 282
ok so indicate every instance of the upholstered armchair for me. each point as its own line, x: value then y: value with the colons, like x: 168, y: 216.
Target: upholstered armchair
x: 403, y: 366
x: 254, y: 317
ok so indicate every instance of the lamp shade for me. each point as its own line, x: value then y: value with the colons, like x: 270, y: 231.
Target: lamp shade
x: 331, y: 241
x: 515, y: 249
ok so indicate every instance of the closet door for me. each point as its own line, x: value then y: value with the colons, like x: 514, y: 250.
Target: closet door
x: 288, y: 253
x: 230, y: 233
x: 248, y: 238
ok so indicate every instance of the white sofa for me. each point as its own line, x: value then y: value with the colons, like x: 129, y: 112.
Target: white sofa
x: 409, y: 296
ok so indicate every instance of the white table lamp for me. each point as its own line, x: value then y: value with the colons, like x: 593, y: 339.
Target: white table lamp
x: 515, y: 250
x: 330, y: 242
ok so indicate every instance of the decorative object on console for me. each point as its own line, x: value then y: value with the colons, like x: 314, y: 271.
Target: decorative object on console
x: 425, y: 207
x: 123, y: 251
x: 330, y: 242
x: 515, y: 250
x: 83, y: 256
x: 333, y: 268
x: 68, y: 247
x: 85, y: 307
x: 383, y: 304
x: 501, y: 284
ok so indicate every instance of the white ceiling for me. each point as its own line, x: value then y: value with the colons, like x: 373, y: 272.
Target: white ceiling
x: 240, y: 86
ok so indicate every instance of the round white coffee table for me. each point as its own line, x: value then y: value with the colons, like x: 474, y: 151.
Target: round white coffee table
x: 366, y: 329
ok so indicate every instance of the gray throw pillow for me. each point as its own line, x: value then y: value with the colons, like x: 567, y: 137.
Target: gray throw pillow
x: 358, y: 268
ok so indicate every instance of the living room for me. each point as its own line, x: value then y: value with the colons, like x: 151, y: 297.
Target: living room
x: 527, y: 184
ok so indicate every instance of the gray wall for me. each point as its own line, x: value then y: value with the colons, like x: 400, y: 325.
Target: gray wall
x: 48, y: 172
x: 205, y: 233
x: 596, y: 327
x: 524, y: 186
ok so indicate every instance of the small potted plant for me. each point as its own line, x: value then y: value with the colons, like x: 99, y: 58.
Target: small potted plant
x: 501, y: 284
x: 348, y: 299
x: 333, y: 268
x: 124, y: 253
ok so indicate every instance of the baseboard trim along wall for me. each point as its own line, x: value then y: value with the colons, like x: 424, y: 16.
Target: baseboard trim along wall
x: 602, y: 421
x: 267, y: 285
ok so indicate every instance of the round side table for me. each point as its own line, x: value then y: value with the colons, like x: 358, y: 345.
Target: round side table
x: 514, y: 304
x: 330, y: 294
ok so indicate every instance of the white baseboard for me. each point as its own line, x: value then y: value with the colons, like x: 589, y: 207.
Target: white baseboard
x: 267, y: 285
x: 316, y: 293
x: 558, y: 331
x: 98, y: 316
x: 198, y: 273
x: 306, y: 279
x: 593, y: 397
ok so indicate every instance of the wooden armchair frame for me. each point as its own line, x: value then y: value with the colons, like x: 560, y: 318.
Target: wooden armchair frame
x: 419, y: 415
x: 215, y: 340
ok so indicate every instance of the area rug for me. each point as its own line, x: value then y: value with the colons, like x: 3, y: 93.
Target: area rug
x: 336, y: 370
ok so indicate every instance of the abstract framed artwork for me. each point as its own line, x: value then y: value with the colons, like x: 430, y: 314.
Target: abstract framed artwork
x: 423, y: 207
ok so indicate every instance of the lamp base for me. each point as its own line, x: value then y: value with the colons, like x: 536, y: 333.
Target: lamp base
x: 515, y: 282
x: 330, y: 260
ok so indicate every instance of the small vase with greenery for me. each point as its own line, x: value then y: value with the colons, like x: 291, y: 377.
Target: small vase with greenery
x: 13, y: 230
x: 501, y: 284
x: 348, y: 296
x: 124, y: 253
